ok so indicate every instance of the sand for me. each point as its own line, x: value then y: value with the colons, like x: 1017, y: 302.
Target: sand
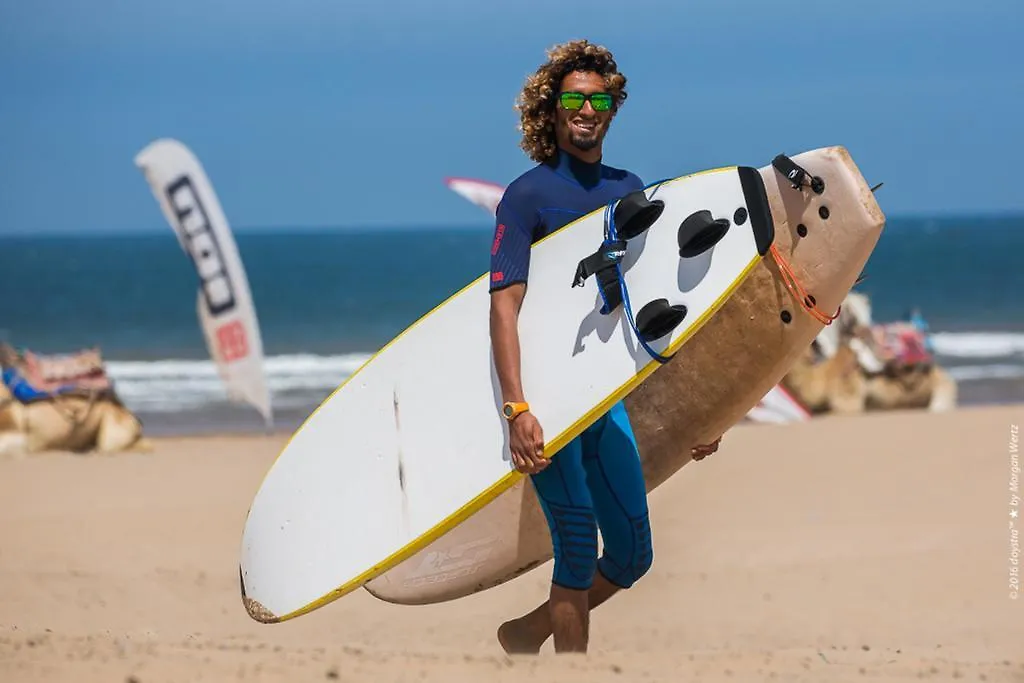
x: 846, y: 549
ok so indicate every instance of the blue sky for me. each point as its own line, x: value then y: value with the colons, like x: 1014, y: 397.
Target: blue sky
x: 339, y: 113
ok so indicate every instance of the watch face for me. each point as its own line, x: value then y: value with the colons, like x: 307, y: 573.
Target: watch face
x: 508, y: 411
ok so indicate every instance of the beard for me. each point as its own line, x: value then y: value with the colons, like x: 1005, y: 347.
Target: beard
x: 585, y: 142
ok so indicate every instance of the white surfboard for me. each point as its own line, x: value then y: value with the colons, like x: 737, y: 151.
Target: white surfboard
x: 224, y: 303
x: 413, y: 443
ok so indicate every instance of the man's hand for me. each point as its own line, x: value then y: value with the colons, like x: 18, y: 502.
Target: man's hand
x: 526, y: 441
x: 704, y: 450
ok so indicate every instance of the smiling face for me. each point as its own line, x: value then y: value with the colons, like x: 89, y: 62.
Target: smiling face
x: 581, y: 131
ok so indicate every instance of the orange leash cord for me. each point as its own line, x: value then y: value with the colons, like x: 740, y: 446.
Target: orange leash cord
x: 796, y: 289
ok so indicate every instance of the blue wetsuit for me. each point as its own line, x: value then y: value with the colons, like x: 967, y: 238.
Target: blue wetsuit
x: 596, y: 480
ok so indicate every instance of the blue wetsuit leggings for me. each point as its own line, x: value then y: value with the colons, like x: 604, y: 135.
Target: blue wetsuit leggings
x: 596, y: 481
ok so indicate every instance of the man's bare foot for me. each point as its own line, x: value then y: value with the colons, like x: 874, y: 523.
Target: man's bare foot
x: 516, y: 638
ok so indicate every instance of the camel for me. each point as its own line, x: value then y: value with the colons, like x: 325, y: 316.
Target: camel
x: 840, y: 385
x: 91, y: 420
x: 847, y: 370
x: 830, y: 385
x: 930, y: 388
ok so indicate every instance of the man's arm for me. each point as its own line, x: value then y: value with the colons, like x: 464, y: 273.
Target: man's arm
x: 510, y: 263
x: 510, y: 267
x: 505, y: 306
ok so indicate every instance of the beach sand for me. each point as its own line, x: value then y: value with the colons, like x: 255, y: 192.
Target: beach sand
x: 845, y: 549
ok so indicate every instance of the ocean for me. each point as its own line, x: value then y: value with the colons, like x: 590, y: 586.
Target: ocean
x: 327, y: 300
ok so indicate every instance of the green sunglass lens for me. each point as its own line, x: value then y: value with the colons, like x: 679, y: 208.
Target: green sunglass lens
x: 572, y: 100
x: 601, y: 102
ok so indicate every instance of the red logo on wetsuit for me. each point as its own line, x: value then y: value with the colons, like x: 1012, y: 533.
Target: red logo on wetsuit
x: 498, y: 234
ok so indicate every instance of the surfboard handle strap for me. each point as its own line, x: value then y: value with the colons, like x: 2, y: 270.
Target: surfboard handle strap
x: 603, y: 264
x: 797, y: 176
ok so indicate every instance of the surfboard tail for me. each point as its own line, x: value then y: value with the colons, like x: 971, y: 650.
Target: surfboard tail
x: 225, y: 310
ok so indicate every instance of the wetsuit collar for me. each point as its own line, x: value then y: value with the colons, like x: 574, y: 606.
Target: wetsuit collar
x: 587, y: 174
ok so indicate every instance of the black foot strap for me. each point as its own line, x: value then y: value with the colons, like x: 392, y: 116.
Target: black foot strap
x: 658, y: 318
x: 699, y: 232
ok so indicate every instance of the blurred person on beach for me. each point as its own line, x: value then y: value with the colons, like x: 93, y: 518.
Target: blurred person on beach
x: 595, y: 481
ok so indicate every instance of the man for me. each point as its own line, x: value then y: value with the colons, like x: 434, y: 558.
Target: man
x: 596, y: 480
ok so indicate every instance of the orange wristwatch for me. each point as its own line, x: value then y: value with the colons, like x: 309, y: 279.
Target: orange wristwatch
x: 513, y: 408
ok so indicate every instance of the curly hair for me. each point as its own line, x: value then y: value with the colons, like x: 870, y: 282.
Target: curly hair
x: 536, y: 102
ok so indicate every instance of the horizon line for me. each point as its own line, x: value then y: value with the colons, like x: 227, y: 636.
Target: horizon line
x: 399, y: 227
